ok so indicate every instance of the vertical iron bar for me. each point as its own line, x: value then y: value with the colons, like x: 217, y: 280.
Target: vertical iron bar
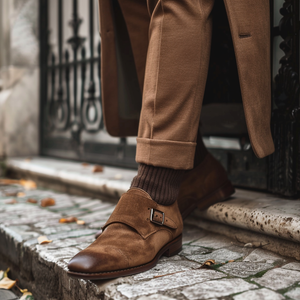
x: 92, y: 39
x: 297, y: 36
x: 67, y: 78
x: 75, y: 48
x: 60, y: 39
x: 101, y: 125
x: 43, y: 61
x: 75, y: 9
x: 83, y: 75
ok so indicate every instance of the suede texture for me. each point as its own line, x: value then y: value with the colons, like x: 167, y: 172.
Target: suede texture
x: 202, y: 181
x: 129, y: 238
x: 170, y: 42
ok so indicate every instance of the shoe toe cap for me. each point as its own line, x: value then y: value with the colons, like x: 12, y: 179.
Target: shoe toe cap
x: 100, y: 261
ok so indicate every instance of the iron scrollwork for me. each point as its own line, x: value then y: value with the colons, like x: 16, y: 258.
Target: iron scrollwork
x: 284, y: 171
x: 77, y: 109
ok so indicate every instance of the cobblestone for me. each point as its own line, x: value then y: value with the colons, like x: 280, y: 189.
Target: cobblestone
x: 167, y: 268
x: 217, y: 288
x: 294, y: 293
x: 245, y: 269
x: 254, y: 274
x: 220, y: 256
x: 260, y: 255
x: 262, y: 294
x: 277, y: 279
x: 292, y: 266
x: 213, y: 241
x: 155, y: 297
x: 168, y: 282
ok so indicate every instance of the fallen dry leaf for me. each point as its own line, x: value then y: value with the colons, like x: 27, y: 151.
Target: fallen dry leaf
x: 11, y: 194
x: 68, y: 220
x: 97, y: 169
x: 7, y: 283
x: 47, y: 202
x: 9, y: 181
x: 28, y: 184
x: 27, y: 296
x: 232, y: 260
x: 22, y: 291
x: 85, y: 164
x: 43, y: 240
x: 208, y: 263
x: 21, y: 194
x: 80, y: 222
x: 30, y: 200
x: 12, y: 201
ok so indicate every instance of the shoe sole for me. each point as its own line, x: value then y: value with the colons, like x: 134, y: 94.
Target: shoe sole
x: 172, y: 248
x: 221, y: 194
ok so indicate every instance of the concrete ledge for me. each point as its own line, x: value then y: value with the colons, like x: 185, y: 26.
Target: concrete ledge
x: 71, y: 177
x: 258, y: 212
x: 250, y: 238
x: 253, y: 211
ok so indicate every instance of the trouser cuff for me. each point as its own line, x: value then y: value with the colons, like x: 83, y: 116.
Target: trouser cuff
x: 166, y: 154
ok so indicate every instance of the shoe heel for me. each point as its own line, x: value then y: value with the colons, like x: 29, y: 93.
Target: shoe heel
x: 220, y: 195
x: 174, y: 248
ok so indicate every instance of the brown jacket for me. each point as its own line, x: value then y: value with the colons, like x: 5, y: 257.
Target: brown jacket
x: 250, y: 28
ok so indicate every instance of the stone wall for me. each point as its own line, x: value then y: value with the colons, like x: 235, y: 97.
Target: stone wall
x: 19, y: 78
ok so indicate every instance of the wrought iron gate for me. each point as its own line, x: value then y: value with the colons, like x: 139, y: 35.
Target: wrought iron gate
x: 284, y: 168
x: 71, y: 113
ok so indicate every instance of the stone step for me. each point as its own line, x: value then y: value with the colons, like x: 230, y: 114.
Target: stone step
x: 241, y: 272
x: 253, y: 211
x: 71, y: 176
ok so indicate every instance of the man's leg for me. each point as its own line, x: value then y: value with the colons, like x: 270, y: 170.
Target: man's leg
x: 175, y: 78
x: 142, y: 229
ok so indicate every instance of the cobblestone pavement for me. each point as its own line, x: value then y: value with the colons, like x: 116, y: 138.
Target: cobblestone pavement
x: 240, y: 272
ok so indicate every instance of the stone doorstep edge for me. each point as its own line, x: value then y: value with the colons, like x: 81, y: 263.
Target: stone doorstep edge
x: 253, y: 239
x: 115, y: 188
x: 280, y: 225
x: 45, y: 279
x: 107, y: 187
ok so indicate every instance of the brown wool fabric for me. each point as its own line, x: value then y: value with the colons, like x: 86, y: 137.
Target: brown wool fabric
x: 162, y: 184
x: 161, y: 33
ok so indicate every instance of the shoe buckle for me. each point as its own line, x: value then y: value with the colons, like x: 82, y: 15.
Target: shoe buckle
x: 154, y: 216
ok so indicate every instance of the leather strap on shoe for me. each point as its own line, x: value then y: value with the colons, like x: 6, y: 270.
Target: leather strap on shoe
x: 142, y: 214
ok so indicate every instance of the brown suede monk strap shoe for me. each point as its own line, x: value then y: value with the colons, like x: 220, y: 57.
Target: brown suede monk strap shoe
x: 136, y: 235
x: 204, y: 186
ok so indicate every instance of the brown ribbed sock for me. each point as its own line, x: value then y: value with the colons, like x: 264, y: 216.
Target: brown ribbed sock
x: 200, y: 152
x: 162, y: 184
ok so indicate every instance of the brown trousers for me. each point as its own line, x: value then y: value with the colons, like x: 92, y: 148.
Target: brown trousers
x: 175, y: 77
x: 170, y: 42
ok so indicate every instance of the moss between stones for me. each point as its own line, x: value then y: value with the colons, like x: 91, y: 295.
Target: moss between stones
x: 259, y: 274
x: 283, y: 291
